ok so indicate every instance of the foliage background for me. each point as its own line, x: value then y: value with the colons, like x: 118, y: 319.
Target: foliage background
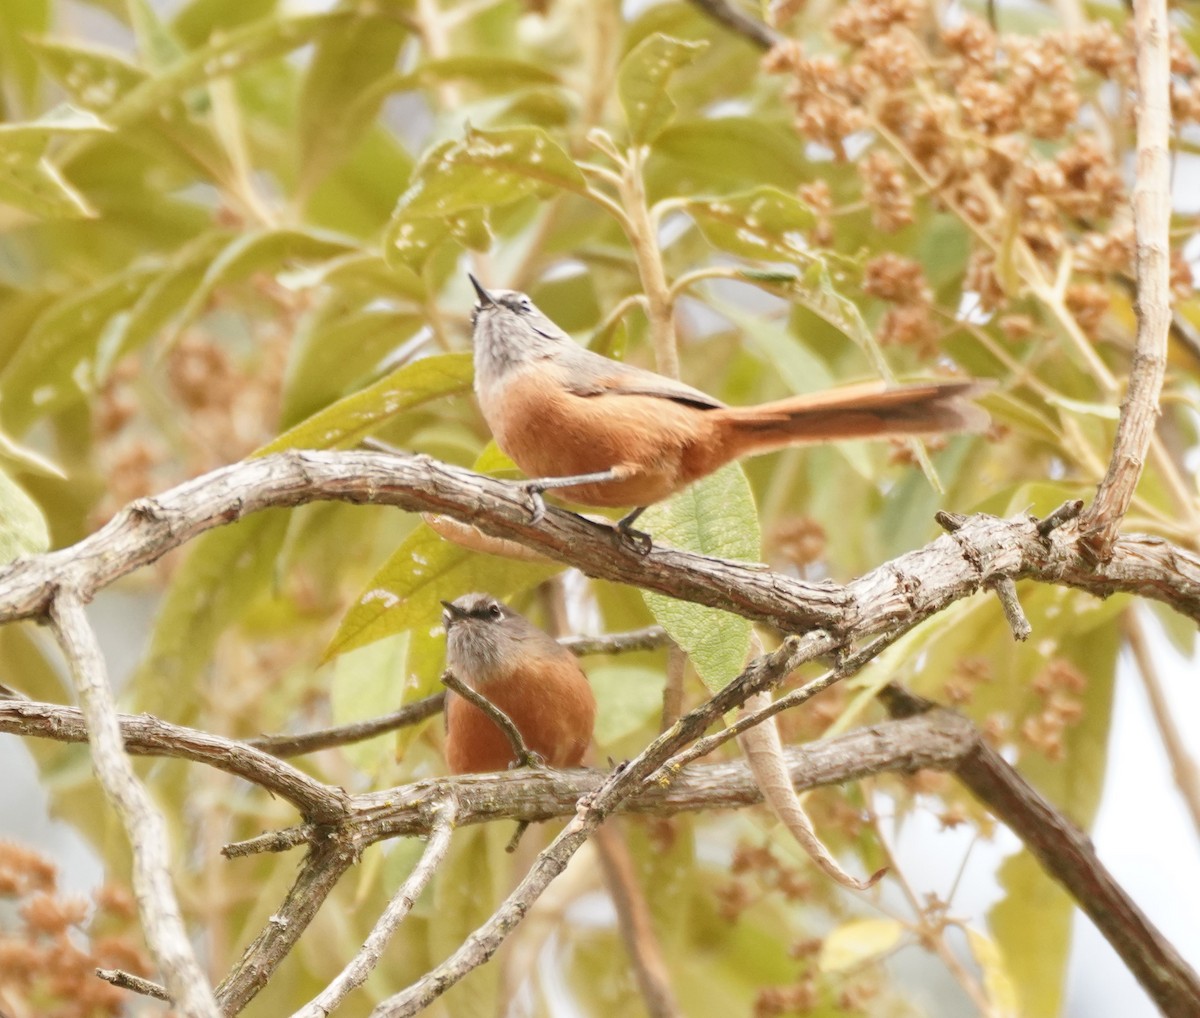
x: 228, y: 226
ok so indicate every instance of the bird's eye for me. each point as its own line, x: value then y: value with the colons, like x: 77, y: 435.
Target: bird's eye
x: 525, y: 304
x: 496, y: 611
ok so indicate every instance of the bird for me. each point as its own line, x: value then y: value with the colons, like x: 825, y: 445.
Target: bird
x: 603, y: 433
x: 524, y: 672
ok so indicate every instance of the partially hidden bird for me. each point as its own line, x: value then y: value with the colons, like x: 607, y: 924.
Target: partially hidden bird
x: 524, y: 672
x: 604, y: 433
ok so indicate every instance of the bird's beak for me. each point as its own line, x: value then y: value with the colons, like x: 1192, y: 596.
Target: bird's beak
x: 485, y: 298
x: 453, y: 613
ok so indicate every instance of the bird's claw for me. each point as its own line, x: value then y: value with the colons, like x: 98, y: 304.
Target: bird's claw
x: 532, y: 759
x: 537, y: 504
x: 638, y: 540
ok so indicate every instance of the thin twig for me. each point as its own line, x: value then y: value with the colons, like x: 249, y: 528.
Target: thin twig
x: 636, y: 922
x: 357, y: 731
x: 158, y: 908
x: 123, y: 980
x: 1183, y: 764
x: 417, y: 711
x: 364, y: 962
x: 525, y: 757
x: 1151, y: 221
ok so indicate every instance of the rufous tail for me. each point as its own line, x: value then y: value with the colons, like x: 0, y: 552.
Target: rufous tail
x: 871, y: 410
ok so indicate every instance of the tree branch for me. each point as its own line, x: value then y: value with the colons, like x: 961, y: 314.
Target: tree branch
x: 1151, y: 222
x: 1067, y: 854
x: 361, y: 965
x: 144, y: 735
x: 911, y: 587
x: 158, y: 908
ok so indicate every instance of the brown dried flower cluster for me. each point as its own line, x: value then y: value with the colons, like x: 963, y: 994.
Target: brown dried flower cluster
x: 1057, y: 685
x: 901, y: 282
x: 1017, y: 136
x: 48, y: 963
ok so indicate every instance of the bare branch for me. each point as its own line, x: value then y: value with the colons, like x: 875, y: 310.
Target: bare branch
x: 166, y: 935
x: 327, y: 860
x: 1151, y: 221
x: 1067, y: 854
x: 912, y: 587
x: 362, y: 964
x: 144, y: 735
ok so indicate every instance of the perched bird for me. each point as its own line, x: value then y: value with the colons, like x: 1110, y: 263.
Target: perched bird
x: 524, y: 672
x: 609, y: 434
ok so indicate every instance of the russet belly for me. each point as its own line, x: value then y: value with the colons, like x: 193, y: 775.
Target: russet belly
x: 554, y: 710
x: 557, y: 434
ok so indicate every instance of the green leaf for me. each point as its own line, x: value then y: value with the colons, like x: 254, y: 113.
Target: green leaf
x: 997, y: 983
x: 31, y: 182
x: 642, y: 83
x: 349, y: 59
x: 366, y: 683
x: 23, y: 529
x: 162, y: 300
x: 20, y: 19
x: 254, y: 252
x: 44, y: 375
x: 720, y: 153
x: 334, y: 351
x: 1032, y: 926
x: 425, y: 570
x: 229, y: 53
x: 457, y: 181
x: 157, y: 46
x: 348, y: 420
x: 765, y: 223
x: 857, y: 941
x: 224, y: 572
x: 24, y: 458
x: 715, y: 516
x: 627, y: 697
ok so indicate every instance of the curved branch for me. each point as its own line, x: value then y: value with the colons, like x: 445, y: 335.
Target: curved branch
x: 144, y: 735
x: 911, y: 587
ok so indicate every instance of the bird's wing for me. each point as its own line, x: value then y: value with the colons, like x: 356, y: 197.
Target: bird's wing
x: 593, y: 375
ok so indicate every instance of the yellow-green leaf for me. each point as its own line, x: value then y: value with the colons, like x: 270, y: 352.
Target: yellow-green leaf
x: 715, y: 516
x: 765, y: 223
x: 997, y: 983
x: 23, y: 529
x: 642, y: 82
x: 858, y: 941
x: 457, y: 181
x: 425, y: 570
x: 348, y: 420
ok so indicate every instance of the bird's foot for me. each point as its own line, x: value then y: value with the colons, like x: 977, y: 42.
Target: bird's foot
x: 532, y: 758
x: 537, y: 504
x: 638, y: 540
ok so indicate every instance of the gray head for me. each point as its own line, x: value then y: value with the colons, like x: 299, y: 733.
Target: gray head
x: 483, y: 636
x: 509, y: 330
